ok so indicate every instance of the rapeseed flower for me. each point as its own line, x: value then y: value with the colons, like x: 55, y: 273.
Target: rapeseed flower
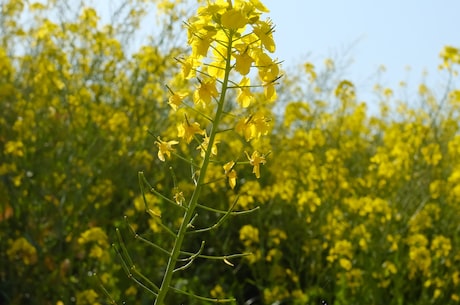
x: 176, y: 99
x: 94, y: 235
x: 441, y: 246
x: 230, y: 173
x: 87, y: 297
x: 264, y: 30
x: 245, y: 96
x: 255, y: 160
x: 14, y: 148
x: 22, y: 249
x: 450, y: 55
x: 188, y: 130
x: 205, y: 92
x: 249, y: 235
x: 203, y: 147
x: 165, y: 148
x: 253, y: 127
x: 234, y: 19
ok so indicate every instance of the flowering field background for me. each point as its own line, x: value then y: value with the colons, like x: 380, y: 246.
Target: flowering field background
x: 354, y: 207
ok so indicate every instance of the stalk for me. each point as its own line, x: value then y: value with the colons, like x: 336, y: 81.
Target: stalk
x: 165, y: 285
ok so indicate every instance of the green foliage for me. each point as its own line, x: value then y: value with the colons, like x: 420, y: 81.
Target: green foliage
x: 75, y: 111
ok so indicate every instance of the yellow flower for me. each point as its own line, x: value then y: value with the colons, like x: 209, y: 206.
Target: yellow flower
x: 270, y: 92
x: 216, y: 68
x: 204, y: 146
x: 450, y: 55
x: 277, y: 235
x: 260, y: 125
x: 201, y: 41
x: 179, y: 196
x: 230, y: 173
x: 205, y: 92
x: 264, y: 30
x: 243, y: 61
x: 259, y: 5
x: 189, y: 66
x: 256, y: 159
x: 273, y: 294
x: 354, y: 278
x: 243, y: 127
x: 345, y: 263
x: 234, y: 19
x: 217, y: 292
x: 393, y: 240
x: 249, y: 235
x: 310, y: 69
x: 253, y: 126
x: 342, y: 248
x: 273, y: 254
x: 268, y: 69
x: 417, y: 240
x: 389, y: 268
x: 96, y: 252
x: 420, y: 260
x: 165, y: 148
x: 456, y: 278
x: 441, y: 246
x: 118, y: 121
x: 432, y: 154
x: 176, y: 99
x: 22, y: 249
x: 308, y: 199
x: 245, y: 97
x: 436, y: 188
x: 15, y: 148
x: 95, y: 234
x: 329, y: 63
x: 87, y: 297
x: 345, y: 89
x: 187, y: 130
x: 150, y: 201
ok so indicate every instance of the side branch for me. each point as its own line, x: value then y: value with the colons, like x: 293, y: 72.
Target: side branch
x: 201, y: 298
x: 191, y: 259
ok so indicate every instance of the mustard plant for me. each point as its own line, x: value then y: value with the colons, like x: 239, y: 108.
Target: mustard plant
x: 228, y: 40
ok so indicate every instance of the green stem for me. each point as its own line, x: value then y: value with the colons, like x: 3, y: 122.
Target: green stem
x: 166, y: 283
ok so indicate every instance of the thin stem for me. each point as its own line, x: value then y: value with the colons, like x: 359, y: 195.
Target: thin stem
x: 176, y: 251
x: 154, y: 191
x: 204, y: 207
x: 202, y: 298
x: 220, y: 221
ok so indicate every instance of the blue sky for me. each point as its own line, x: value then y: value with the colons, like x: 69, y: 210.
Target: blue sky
x: 394, y: 33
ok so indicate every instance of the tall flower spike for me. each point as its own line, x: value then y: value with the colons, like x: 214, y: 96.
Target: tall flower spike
x: 226, y: 38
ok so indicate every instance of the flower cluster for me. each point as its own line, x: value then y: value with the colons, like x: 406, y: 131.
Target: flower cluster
x: 228, y: 39
x: 369, y: 198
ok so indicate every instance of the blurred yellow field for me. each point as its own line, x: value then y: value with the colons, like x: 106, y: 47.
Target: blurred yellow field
x: 205, y: 173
